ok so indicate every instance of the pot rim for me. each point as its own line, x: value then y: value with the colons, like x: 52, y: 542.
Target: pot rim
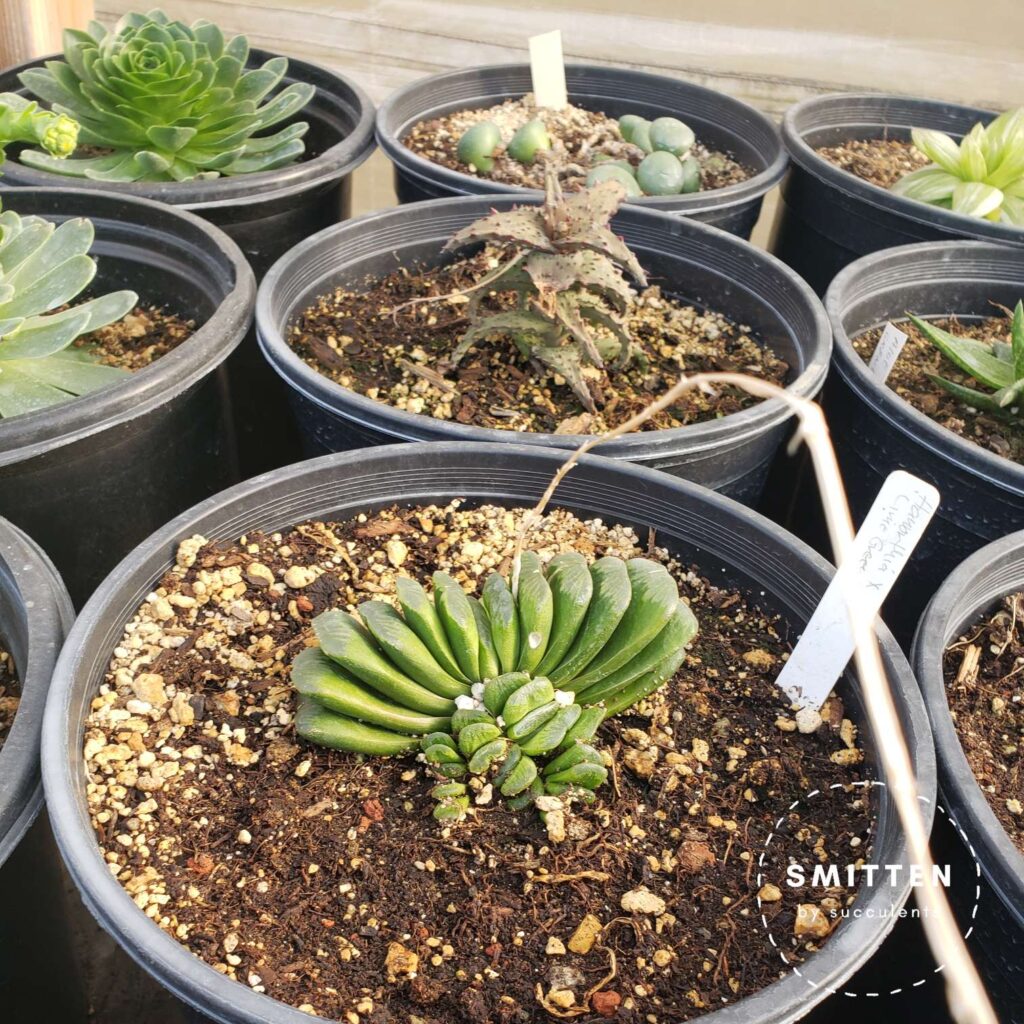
x: 979, y: 582
x: 196, y: 982
x: 899, y: 413
x: 239, y: 190
x: 28, y: 575
x: 388, y: 138
x: 22, y: 437
x: 407, y: 426
x: 873, y: 195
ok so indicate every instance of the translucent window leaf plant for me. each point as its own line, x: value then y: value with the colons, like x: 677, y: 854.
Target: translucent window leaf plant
x: 999, y: 366
x: 506, y: 691
x: 168, y: 102
x: 43, y: 269
x: 982, y: 176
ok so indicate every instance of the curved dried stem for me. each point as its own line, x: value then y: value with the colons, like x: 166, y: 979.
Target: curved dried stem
x: 969, y: 1003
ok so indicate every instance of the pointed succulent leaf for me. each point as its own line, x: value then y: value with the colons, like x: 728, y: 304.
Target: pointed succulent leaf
x: 928, y: 185
x: 976, y: 199
x: 565, y: 361
x: 605, y: 241
x: 969, y: 396
x: 522, y: 226
x: 973, y: 357
x: 939, y: 148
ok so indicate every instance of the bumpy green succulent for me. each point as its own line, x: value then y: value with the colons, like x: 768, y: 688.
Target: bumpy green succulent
x: 563, y: 267
x: 22, y: 120
x: 42, y: 268
x: 509, y: 689
x: 999, y: 366
x: 173, y: 102
x: 983, y: 176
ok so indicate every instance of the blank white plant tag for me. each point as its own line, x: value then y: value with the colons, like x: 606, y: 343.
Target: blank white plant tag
x: 547, y: 68
x: 890, y: 532
x: 887, y: 351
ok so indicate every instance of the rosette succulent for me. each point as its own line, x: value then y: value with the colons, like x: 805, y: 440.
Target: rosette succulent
x: 508, y: 689
x: 43, y: 268
x: 23, y: 120
x: 982, y: 176
x: 999, y: 366
x: 171, y: 102
x: 562, y: 263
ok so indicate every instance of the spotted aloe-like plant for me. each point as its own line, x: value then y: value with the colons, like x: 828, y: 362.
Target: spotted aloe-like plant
x: 509, y: 689
x: 564, y: 265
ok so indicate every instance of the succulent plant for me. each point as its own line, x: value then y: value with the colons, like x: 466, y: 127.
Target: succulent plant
x: 171, y: 101
x: 999, y: 366
x: 43, y: 267
x: 23, y: 120
x: 509, y: 689
x: 479, y: 144
x: 982, y: 176
x: 563, y: 264
x: 528, y: 141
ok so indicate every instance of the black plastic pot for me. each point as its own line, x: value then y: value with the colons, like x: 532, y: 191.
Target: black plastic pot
x: 727, y: 541
x: 693, y: 261
x: 91, y: 477
x: 875, y: 431
x: 973, y: 589
x: 721, y: 122
x: 35, y: 614
x: 829, y: 217
x: 266, y: 214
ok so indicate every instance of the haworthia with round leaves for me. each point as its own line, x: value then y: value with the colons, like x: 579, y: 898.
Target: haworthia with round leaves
x: 510, y: 688
x: 172, y: 102
x: 43, y: 268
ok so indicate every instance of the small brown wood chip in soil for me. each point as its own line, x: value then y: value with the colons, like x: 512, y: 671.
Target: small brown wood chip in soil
x: 139, y: 338
x: 364, y: 341
x: 984, y: 672
x: 880, y: 162
x: 321, y: 878
x: 576, y: 132
x: 8, y: 693
x: 919, y: 357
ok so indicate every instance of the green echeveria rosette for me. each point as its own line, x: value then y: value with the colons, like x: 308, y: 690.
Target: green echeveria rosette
x: 981, y: 176
x: 43, y: 268
x: 172, y: 102
x: 509, y: 689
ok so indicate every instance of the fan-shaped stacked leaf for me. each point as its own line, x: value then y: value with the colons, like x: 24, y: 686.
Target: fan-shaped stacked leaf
x: 172, y: 102
x: 42, y: 268
x: 606, y: 634
x: 983, y: 176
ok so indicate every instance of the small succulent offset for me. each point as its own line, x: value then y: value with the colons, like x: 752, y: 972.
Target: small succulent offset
x: 983, y: 176
x: 481, y: 143
x: 667, y: 169
x: 563, y: 264
x: 998, y: 365
x: 43, y: 267
x: 23, y: 120
x: 508, y: 690
x: 173, y: 102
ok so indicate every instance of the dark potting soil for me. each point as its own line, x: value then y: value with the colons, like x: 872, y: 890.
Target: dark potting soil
x: 909, y: 379
x: 382, y: 344
x: 881, y: 162
x: 984, y: 673
x: 321, y: 878
x: 576, y: 133
x: 8, y: 693
x: 139, y: 338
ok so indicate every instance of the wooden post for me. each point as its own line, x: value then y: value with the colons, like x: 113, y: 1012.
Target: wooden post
x: 32, y: 28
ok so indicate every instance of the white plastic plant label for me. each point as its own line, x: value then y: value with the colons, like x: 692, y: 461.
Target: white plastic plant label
x: 547, y: 68
x: 887, y: 351
x: 883, y: 545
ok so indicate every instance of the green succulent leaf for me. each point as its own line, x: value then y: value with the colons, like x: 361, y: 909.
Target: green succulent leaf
x: 973, y: 357
x: 173, y: 102
x: 981, y: 176
x: 615, y: 630
x: 23, y: 120
x: 43, y: 267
